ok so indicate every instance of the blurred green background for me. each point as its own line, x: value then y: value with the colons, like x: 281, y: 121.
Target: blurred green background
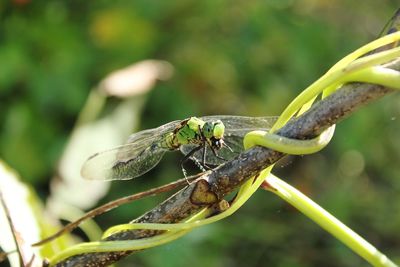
x: 229, y: 57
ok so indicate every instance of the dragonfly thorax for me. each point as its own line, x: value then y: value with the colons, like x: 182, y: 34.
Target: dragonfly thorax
x: 187, y: 132
x: 196, y: 131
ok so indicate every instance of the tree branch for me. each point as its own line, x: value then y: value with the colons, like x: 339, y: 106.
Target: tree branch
x: 229, y: 176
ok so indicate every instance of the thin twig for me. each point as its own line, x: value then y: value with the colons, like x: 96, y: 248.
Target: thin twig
x: 116, y: 203
x: 17, y: 239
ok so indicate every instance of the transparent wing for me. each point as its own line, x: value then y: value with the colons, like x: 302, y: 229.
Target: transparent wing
x: 122, y: 163
x: 148, y: 136
x: 142, y: 152
x: 236, y: 128
x: 243, y: 123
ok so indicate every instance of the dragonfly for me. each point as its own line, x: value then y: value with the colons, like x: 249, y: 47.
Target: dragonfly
x: 208, y: 141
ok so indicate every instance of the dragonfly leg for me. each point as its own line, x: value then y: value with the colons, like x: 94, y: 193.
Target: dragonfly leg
x: 204, y: 156
x: 202, y: 167
x: 204, y: 145
x: 204, y: 153
x: 227, y: 146
x: 216, y: 155
x: 188, y: 156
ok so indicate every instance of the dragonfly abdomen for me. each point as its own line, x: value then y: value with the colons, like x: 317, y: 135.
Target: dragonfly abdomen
x: 170, y: 142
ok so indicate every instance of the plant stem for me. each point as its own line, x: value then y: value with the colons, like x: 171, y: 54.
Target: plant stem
x: 328, y: 222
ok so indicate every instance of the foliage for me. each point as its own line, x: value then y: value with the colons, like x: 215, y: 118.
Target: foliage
x: 247, y: 58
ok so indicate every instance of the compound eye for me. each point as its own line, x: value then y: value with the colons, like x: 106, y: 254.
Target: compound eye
x: 219, y: 129
x: 208, y: 130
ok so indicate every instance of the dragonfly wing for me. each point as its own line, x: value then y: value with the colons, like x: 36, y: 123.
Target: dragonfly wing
x: 128, y: 166
x: 140, y: 154
x: 123, y: 162
x: 151, y: 134
x: 243, y: 123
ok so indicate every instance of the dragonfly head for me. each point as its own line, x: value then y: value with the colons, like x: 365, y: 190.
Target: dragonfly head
x: 213, y: 129
x: 214, y: 132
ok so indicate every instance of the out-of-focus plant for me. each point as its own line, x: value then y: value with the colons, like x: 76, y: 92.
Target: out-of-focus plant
x: 252, y: 55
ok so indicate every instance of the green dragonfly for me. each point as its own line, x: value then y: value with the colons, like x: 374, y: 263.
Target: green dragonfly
x: 207, y: 141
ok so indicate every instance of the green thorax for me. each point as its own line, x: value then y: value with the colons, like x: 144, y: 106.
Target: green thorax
x: 187, y: 132
x: 192, y: 131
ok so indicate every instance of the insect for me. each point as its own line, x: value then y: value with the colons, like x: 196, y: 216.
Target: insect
x: 207, y: 140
